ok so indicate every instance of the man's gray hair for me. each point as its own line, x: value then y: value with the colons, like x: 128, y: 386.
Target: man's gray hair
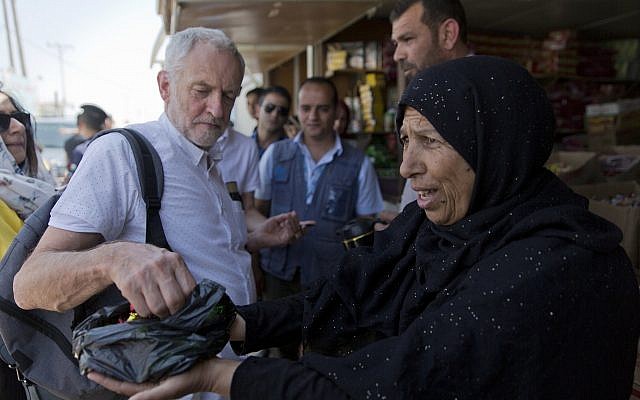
x: 182, y: 42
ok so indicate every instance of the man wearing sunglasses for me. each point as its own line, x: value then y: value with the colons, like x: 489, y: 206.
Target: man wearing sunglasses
x: 274, y: 111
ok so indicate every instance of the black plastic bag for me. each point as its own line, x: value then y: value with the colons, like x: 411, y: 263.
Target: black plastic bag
x: 149, y: 349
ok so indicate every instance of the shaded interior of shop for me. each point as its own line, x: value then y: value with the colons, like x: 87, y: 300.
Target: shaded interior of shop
x: 585, y: 53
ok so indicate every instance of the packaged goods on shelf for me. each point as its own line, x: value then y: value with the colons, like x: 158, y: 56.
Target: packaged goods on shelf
x: 343, y: 55
x: 377, y: 83
x: 562, y: 53
x: 353, y: 55
x: 621, y: 163
x: 620, y: 167
x: 336, y: 58
x: 569, y: 99
x: 355, y: 123
x: 627, y: 57
x: 575, y: 167
x: 612, y: 124
x: 366, y: 107
x: 521, y: 49
x: 372, y: 102
x: 372, y: 55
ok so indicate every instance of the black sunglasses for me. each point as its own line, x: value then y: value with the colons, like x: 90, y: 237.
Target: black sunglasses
x: 22, y: 117
x: 283, y: 111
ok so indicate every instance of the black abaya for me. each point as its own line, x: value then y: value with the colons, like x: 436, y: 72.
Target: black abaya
x: 529, y: 296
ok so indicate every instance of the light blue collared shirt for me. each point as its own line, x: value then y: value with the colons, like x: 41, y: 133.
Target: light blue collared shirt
x: 369, y: 194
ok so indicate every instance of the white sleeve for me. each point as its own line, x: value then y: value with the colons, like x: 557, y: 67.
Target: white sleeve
x: 369, y: 194
x: 266, y: 171
x: 100, y: 195
x: 252, y: 175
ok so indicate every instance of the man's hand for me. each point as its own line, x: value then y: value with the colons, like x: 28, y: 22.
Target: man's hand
x: 67, y: 268
x: 279, y: 230
x: 212, y: 375
x: 156, y: 281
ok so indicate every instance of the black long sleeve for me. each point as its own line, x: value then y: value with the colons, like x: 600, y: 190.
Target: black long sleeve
x: 271, y: 323
x: 278, y: 379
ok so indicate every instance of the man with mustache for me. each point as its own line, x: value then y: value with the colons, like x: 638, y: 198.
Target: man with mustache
x: 96, y: 233
x: 321, y: 178
x: 425, y: 33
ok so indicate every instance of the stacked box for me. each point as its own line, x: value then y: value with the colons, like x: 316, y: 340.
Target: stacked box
x: 619, y: 203
x: 621, y: 163
x: 613, y: 124
x: 336, y: 59
x: 635, y: 390
x: 575, y: 167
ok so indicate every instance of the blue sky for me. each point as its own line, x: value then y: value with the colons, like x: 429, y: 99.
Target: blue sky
x: 108, y: 59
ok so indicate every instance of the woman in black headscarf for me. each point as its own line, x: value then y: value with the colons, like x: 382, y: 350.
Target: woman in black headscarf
x: 496, y: 284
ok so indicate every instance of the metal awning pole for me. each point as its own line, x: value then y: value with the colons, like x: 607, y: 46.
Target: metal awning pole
x: 23, y: 68
x: 6, y: 26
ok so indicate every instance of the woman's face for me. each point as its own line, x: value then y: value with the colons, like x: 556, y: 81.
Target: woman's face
x: 15, y: 137
x: 442, y: 179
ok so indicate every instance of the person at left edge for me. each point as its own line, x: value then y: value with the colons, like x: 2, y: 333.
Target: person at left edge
x: 97, y: 229
x: 19, y: 162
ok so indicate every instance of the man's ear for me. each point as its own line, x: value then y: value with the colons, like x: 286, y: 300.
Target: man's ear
x: 163, y: 85
x: 448, y: 33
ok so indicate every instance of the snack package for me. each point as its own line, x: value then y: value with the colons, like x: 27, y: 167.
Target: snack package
x: 149, y: 349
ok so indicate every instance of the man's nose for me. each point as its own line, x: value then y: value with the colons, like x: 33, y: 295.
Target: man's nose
x: 215, y: 105
x: 313, y: 113
x: 399, y: 54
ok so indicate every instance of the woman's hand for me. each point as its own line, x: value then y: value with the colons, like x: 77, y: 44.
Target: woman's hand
x: 238, y: 329
x: 212, y: 375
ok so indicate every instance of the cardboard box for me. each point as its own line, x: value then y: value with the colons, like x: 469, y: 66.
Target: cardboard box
x: 576, y: 167
x: 635, y: 390
x: 621, y: 163
x: 627, y: 218
x: 613, y: 124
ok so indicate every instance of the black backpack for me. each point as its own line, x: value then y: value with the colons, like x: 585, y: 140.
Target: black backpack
x: 37, y: 343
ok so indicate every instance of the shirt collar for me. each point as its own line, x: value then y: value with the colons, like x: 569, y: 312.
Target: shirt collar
x: 225, y: 135
x: 194, y: 153
x: 336, y: 150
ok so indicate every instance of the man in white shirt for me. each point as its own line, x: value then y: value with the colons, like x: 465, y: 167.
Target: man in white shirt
x: 238, y: 165
x: 97, y: 229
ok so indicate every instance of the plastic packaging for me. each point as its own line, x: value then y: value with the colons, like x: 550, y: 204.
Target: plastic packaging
x: 148, y: 349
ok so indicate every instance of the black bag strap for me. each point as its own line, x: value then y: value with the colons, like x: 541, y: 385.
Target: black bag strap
x: 151, y: 178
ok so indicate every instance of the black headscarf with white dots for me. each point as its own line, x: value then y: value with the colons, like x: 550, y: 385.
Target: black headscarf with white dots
x: 494, y: 114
